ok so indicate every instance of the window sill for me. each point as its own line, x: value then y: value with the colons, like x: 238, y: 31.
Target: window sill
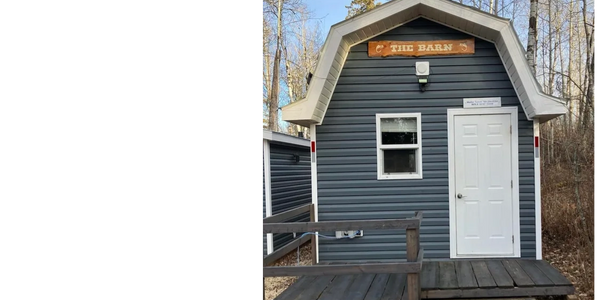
x: 403, y: 176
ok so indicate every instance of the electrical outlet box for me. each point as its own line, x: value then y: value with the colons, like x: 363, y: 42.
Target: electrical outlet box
x: 348, y: 234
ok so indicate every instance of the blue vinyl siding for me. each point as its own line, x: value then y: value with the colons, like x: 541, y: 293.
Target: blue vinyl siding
x: 348, y: 188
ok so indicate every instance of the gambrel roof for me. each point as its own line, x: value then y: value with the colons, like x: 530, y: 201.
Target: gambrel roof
x: 360, y: 28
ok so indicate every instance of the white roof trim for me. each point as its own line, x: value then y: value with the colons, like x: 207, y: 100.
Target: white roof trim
x: 284, y: 138
x: 343, y: 35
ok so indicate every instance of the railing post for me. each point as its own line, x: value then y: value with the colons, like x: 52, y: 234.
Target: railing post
x: 313, y: 239
x: 413, y: 283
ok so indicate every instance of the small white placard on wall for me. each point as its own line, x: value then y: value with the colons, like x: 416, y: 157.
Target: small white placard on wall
x: 481, y: 102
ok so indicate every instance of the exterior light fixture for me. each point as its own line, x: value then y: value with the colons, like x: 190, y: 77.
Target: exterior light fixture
x: 422, y: 68
x: 295, y: 158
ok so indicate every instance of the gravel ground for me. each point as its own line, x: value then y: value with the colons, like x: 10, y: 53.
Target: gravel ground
x: 275, y: 285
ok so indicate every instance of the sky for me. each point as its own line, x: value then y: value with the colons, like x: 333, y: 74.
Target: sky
x: 328, y: 12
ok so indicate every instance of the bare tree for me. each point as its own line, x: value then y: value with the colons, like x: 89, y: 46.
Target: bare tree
x: 570, y: 65
x: 277, y: 13
x: 300, y: 54
x: 589, y: 63
x: 494, y: 7
x: 532, y: 35
x: 274, y: 95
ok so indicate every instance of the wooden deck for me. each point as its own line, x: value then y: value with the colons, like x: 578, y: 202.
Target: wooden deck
x: 491, y: 278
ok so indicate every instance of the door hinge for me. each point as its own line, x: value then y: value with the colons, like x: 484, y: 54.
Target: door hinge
x: 511, y: 184
x: 513, y: 239
x: 510, y: 129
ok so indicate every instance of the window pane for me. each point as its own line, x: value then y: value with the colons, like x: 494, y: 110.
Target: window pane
x: 395, y: 138
x: 396, y: 131
x: 400, y: 161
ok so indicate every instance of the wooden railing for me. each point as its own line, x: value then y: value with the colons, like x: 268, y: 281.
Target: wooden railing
x: 279, y: 219
x: 412, y: 265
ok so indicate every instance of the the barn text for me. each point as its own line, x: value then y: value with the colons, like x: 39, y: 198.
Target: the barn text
x: 420, y: 48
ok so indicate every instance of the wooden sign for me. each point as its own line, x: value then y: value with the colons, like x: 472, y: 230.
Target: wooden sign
x: 421, y: 48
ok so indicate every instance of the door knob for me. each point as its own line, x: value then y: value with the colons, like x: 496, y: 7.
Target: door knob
x: 460, y: 196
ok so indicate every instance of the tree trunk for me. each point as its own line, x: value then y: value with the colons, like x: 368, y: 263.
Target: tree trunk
x: 496, y: 7
x: 550, y: 52
x: 291, y: 86
x: 532, y: 36
x: 564, y: 79
x: 543, y: 45
x: 570, y: 65
x: 264, y: 70
x: 589, y: 63
x: 274, y: 97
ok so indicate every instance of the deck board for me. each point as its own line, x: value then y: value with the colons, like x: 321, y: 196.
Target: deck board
x: 499, y: 273
x: 429, y: 275
x: 464, y: 274
x: 315, y: 288
x: 552, y: 273
x: 359, y: 287
x: 447, y: 275
x: 466, y: 279
x: 377, y: 286
x: 537, y: 276
x: 498, y: 292
x: 482, y: 275
x: 395, y: 287
x: 517, y: 273
x: 337, y: 287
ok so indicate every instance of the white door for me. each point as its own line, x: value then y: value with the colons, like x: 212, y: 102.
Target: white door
x: 483, y: 175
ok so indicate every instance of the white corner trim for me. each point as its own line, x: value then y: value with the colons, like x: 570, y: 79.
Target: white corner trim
x: 313, y: 182
x: 538, y: 194
x: 513, y: 111
x: 514, y: 117
x: 268, y: 200
x: 451, y: 184
x: 284, y: 138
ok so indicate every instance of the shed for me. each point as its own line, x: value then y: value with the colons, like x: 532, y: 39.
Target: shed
x: 427, y: 105
x: 286, y: 181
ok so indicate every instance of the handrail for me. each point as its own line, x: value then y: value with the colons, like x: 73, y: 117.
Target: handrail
x: 348, y: 269
x: 295, y: 243
x: 288, y: 214
x: 408, y: 223
x: 414, y: 253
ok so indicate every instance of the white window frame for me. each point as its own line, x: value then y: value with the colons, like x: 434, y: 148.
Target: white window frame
x: 417, y: 146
